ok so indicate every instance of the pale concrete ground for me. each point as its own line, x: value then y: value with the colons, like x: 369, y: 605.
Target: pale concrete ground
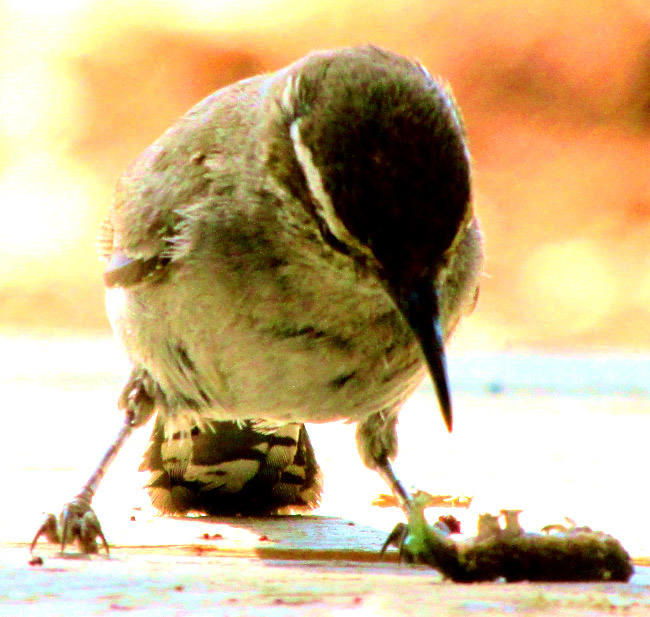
x: 553, y: 436
x: 171, y: 584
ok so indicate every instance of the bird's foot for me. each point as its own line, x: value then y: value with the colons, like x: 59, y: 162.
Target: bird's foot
x: 424, y: 545
x: 76, y: 524
x: 419, y: 542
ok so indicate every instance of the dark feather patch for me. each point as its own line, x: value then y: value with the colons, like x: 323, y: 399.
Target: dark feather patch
x: 123, y: 271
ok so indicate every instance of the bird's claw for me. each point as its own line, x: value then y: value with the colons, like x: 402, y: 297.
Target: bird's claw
x: 396, y: 538
x: 77, y: 523
x: 419, y: 542
x: 425, y: 544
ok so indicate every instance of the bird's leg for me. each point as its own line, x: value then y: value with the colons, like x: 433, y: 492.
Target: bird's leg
x: 398, y: 536
x: 418, y: 542
x: 77, y: 521
x: 385, y: 470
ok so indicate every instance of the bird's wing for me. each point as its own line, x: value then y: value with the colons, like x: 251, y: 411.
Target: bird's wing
x: 123, y: 270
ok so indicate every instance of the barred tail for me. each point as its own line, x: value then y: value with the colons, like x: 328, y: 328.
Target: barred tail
x: 232, y: 468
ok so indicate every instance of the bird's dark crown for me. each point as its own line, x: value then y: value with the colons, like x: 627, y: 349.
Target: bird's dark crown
x: 389, y: 146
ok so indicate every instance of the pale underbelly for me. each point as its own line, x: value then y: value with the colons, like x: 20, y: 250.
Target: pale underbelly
x: 236, y: 367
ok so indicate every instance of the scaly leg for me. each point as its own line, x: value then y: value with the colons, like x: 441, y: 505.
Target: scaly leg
x: 418, y: 542
x: 77, y: 521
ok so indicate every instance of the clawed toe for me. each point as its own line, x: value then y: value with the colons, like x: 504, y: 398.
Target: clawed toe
x: 396, y: 538
x: 77, y: 524
x: 420, y: 544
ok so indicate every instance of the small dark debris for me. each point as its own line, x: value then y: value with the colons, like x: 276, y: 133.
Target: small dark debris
x: 216, y: 536
x: 132, y: 519
x: 264, y: 539
x: 179, y: 587
x: 36, y: 561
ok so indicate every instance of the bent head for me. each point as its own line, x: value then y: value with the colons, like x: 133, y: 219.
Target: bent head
x: 382, y: 153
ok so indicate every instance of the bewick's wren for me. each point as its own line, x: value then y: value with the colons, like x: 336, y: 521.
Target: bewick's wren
x: 295, y: 249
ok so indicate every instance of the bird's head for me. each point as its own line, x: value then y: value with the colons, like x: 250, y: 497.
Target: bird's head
x: 379, y: 156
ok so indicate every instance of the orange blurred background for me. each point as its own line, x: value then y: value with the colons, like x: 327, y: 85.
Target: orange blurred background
x: 555, y: 94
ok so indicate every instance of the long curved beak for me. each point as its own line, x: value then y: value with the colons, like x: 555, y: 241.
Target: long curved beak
x: 420, y: 306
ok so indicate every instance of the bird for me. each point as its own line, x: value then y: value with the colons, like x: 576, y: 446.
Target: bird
x: 297, y: 248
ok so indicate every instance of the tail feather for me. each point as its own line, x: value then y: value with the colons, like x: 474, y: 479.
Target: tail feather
x: 232, y: 468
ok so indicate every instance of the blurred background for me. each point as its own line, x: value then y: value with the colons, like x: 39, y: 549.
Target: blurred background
x: 556, y: 98
x: 555, y: 94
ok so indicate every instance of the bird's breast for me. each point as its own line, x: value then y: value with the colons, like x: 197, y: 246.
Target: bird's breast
x: 301, y: 342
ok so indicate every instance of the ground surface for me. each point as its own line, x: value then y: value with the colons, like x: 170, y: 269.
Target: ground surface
x: 178, y: 581
x: 553, y: 436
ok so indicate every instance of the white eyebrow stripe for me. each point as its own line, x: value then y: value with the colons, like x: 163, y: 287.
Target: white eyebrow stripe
x: 289, y: 94
x: 325, y: 207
